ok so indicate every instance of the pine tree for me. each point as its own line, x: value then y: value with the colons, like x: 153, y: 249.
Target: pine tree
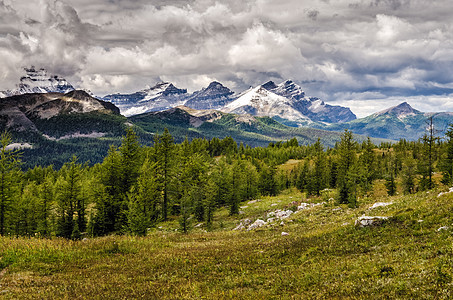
x: 9, y: 179
x: 71, y: 208
x: 144, y: 200
x: 426, y: 165
x: 408, y: 176
x: 447, y: 162
x: 165, y: 152
x: 347, y: 176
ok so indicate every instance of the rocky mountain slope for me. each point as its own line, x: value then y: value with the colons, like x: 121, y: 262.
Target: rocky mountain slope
x: 397, y: 122
x: 215, y: 96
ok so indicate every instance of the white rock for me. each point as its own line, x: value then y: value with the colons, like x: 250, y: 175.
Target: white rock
x: 270, y: 220
x: 271, y: 214
x: 274, y: 204
x: 285, y: 233
x: 243, y: 207
x: 337, y: 209
x: 239, y: 227
x: 443, y: 228
x: 198, y: 225
x: 365, y: 221
x: 283, y: 214
x: 380, y: 204
x: 282, y: 223
x: 303, y: 205
x: 258, y: 223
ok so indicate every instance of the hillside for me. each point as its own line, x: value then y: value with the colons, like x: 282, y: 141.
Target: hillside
x: 251, y: 130
x: 324, y: 256
x: 56, y: 126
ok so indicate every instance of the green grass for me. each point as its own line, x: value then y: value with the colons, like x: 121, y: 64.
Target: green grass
x: 324, y: 256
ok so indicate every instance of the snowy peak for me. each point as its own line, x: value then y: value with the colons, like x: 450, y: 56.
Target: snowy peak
x: 288, y: 89
x: 262, y: 102
x: 169, y: 89
x: 39, y: 81
x: 214, y: 90
x: 401, y: 110
x: 214, y: 96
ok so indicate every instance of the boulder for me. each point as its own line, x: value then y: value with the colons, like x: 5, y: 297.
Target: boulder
x: 258, y: 223
x: 366, y: 221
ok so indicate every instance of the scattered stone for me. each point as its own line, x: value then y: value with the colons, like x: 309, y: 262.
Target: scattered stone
x: 243, y: 207
x: 283, y: 214
x: 243, y: 224
x: 304, y: 205
x: 270, y: 220
x: 253, y: 201
x: 419, y: 221
x: 198, y: 225
x: 282, y: 223
x: 274, y: 204
x: 380, y: 204
x: 290, y: 197
x: 258, y: 223
x: 285, y: 233
x: 337, y: 209
x: 365, y: 221
x: 345, y: 224
x: 241, y: 212
x: 239, y: 227
x: 443, y: 228
x: 271, y: 214
x: 84, y: 239
x: 160, y: 227
x: 444, y: 193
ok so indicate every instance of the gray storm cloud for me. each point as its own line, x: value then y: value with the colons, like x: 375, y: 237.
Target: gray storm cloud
x: 343, y: 51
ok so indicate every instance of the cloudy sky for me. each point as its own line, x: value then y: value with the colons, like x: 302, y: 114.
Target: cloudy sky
x: 364, y: 54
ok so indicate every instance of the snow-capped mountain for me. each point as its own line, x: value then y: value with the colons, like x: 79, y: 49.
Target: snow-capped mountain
x: 162, y: 96
x: 260, y: 101
x: 39, y: 81
x: 312, y: 107
x: 215, y: 96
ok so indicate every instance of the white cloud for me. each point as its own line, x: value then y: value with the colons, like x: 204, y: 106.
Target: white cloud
x: 335, y: 49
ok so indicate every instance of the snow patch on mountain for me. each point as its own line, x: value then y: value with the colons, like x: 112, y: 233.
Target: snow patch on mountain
x: 39, y: 81
x: 262, y: 102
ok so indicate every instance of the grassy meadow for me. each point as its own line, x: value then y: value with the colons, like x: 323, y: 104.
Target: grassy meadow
x: 324, y: 256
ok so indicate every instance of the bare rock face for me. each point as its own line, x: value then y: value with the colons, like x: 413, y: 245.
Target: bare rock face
x: 366, y: 221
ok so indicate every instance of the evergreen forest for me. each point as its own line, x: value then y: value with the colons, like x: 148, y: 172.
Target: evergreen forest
x: 137, y: 187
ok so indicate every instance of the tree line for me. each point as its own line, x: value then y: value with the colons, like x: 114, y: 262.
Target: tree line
x: 136, y: 186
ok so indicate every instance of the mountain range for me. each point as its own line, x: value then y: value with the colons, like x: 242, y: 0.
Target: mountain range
x: 286, y: 102
x: 255, y: 116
